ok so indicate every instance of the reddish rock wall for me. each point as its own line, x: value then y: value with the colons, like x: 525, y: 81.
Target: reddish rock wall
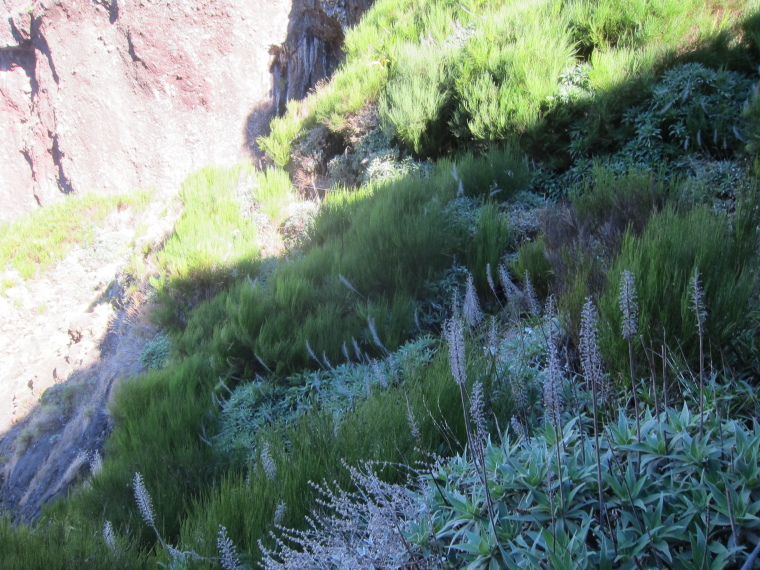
x: 99, y: 95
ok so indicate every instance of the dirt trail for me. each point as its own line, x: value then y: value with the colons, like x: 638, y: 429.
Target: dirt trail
x: 65, y: 338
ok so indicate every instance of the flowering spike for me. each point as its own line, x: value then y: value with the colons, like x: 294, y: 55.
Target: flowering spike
x: 454, y: 333
x: 109, y: 537
x: 530, y: 295
x: 518, y: 429
x: 228, y: 555
x: 553, y: 388
x: 489, y: 278
x: 472, y: 313
x: 267, y: 462
x: 477, y: 404
x: 629, y: 305
x: 144, y: 503
x: 697, y: 300
x: 591, y: 360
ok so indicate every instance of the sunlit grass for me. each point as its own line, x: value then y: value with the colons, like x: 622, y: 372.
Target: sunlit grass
x: 38, y: 240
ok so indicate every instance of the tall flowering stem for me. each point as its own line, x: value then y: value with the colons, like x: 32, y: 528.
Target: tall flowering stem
x: 530, y: 295
x: 592, y: 370
x: 553, y: 379
x: 454, y: 334
x: 698, y: 306
x: 473, y: 315
x: 630, y: 309
x: 553, y: 393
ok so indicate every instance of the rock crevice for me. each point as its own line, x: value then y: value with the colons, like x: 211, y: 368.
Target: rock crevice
x: 314, y: 46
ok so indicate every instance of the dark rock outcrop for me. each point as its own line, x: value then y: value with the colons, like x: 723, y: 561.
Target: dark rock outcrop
x: 313, y: 48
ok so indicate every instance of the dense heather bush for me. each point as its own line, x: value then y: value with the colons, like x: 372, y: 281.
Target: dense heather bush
x: 508, y: 69
x: 412, y: 103
x: 273, y: 192
x: 491, y: 240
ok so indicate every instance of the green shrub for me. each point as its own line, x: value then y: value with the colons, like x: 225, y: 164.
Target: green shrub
x: 59, y: 546
x: 492, y: 238
x: 414, y: 99
x: 531, y: 260
x: 273, y: 192
x: 611, y: 203
x: 508, y: 69
x: 499, y: 173
x: 159, y: 421
x: 284, y: 130
x: 751, y: 114
x: 212, y: 244
x: 636, y: 23
x: 402, y: 227
x: 663, y: 260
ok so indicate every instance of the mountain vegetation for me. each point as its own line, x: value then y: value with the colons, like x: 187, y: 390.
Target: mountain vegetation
x: 522, y: 329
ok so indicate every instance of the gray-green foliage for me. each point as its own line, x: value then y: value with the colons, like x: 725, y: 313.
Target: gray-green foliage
x: 155, y: 352
x: 691, y: 109
x: 333, y: 390
x: 372, y: 159
x: 694, y: 107
x: 678, y: 500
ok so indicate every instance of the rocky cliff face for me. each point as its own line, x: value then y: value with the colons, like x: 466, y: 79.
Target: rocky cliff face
x: 99, y: 95
x: 313, y: 48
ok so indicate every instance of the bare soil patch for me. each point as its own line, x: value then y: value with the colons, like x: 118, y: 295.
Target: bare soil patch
x: 66, y: 338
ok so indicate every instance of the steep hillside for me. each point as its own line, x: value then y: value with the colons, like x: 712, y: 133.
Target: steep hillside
x: 510, y: 319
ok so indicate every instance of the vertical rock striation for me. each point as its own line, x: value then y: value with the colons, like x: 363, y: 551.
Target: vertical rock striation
x: 313, y: 48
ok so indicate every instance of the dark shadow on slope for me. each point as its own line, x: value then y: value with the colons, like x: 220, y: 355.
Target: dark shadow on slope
x: 257, y: 125
x: 60, y: 439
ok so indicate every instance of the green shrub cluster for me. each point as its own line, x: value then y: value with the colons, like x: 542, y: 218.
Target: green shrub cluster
x: 664, y: 259
x: 453, y: 74
x: 211, y: 244
x: 371, y: 253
